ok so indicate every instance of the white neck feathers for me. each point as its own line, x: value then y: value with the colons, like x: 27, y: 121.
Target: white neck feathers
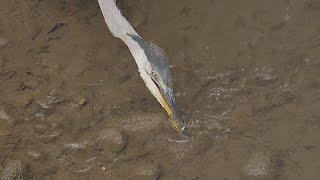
x: 117, y: 24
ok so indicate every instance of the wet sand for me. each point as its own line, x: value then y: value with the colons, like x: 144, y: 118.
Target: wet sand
x: 246, y: 75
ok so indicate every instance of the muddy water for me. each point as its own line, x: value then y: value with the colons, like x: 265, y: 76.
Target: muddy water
x: 246, y: 75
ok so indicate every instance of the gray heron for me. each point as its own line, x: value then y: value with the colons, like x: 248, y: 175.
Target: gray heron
x: 151, y: 61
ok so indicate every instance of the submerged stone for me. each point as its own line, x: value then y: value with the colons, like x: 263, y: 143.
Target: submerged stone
x: 258, y: 165
x: 112, y: 139
x: 15, y: 170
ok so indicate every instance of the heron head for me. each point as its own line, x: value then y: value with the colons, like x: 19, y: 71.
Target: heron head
x: 167, y: 99
x: 157, y: 76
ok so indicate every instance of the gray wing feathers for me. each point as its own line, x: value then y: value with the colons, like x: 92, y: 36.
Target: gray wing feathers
x: 157, y: 59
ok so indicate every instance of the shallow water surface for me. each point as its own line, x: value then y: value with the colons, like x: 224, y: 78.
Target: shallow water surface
x: 246, y: 76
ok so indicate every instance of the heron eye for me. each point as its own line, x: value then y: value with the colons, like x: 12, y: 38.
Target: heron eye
x: 158, y: 86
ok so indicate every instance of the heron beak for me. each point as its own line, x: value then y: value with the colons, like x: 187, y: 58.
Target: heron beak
x: 169, y: 104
